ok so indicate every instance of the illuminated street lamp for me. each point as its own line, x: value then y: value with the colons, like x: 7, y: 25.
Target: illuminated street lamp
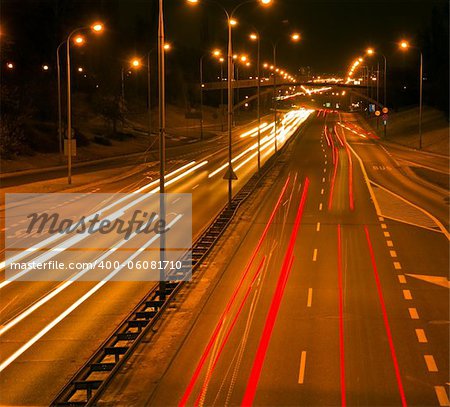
x: 230, y: 175
x: 45, y: 67
x: 295, y: 37
x: 215, y: 53
x: 78, y: 40
x: 10, y: 65
x: 370, y: 52
x: 256, y: 37
x: 404, y: 46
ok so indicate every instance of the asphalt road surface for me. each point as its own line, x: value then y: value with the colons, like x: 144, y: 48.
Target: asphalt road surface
x: 337, y: 295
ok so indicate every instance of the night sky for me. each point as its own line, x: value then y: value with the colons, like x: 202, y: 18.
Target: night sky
x: 333, y: 32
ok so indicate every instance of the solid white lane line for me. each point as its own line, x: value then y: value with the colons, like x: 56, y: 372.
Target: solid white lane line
x: 442, y: 396
x: 196, y: 186
x: 431, y: 363
x: 413, y: 313
x: 315, y: 255
x: 393, y: 253
x: 407, y: 295
x: 402, y: 279
x: 421, y: 337
x: 301, y: 374
x: 397, y: 265
x: 309, y: 302
x: 318, y: 227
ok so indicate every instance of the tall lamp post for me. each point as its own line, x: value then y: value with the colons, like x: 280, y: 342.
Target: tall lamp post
x: 231, y: 22
x: 215, y: 53
x: 162, y: 143
x: 294, y: 37
x: 256, y: 37
x: 404, y: 46
x: 370, y: 52
x: 97, y: 28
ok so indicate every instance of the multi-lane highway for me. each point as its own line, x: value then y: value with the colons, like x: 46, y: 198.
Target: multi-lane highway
x: 49, y: 328
x: 336, y: 292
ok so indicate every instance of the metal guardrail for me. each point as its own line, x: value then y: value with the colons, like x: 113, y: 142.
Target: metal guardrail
x: 88, y: 383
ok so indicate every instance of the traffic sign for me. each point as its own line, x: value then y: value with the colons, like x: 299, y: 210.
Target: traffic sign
x: 385, y: 110
x: 73, y: 150
x: 377, y: 113
x: 230, y: 174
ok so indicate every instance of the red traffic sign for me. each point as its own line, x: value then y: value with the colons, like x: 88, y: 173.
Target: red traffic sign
x: 385, y: 110
x: 377, y: 113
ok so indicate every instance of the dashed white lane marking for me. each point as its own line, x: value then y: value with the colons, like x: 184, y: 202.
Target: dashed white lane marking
x: 325, y: 156
x: 322, y: 191
x: 402, y: 279
x: 195, y: 187
x: 393, y: 253
x: 324, y: 170
x: 320, y: 207
x: 176, y: 200
x: 413, y: 313
x: 431, y: 363
x: 381, y: 219
x: 421, y: 337
x: 383, y: 226
x: 323, y: 179
x: 309, y: 301
x: 301, y: 373
x: 387, y: 234
x: 318, y: 227
x: 314, y: 255
x: 407, y: 295
x: 326, y: 162
x: 441, y: 394
x: 397, y: 265
x: 389, y: 243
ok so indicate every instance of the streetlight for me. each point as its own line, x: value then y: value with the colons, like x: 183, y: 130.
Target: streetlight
x: 404, y: 46
x: 45, y: 67
x: 295, y: 37
x: 370, y: 52
x: 162, y: 47
x: 10, y: 65
x: 256, y: 37
x: 216, y: 53
x: 78, y: 40
x: 230, y: 175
